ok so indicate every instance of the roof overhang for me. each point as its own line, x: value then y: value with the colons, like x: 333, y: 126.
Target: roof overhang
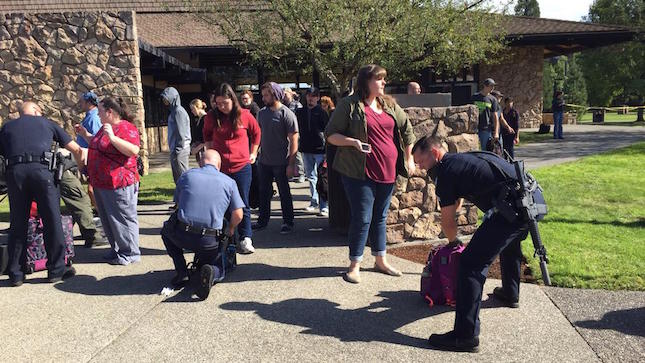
x: 567, y: 43
x: 161, y: 65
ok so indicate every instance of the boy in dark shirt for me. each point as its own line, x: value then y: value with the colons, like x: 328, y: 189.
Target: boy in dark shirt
x: 512, y: 117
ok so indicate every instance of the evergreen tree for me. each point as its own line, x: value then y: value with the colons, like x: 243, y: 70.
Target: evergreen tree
x: 527, y: 8
x: 616, y: 73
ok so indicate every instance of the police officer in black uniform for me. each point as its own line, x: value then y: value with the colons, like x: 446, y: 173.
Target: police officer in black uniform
x: 25, y: 144
x: 469, y: 176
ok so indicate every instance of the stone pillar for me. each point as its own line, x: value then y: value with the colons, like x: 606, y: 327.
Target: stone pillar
x: 414, y: 212
x: 52, y: 58
x: 518, y: 74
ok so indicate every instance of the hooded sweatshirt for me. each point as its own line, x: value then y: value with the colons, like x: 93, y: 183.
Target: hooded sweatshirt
x: 178, y: 122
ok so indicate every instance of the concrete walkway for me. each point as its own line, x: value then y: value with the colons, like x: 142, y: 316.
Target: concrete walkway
x: 579, y: 141
x: 286, y: 302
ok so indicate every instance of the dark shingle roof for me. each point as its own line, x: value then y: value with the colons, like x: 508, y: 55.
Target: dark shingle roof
x: 522, y: 25
x: 164, y: 23
x: 172, y: 30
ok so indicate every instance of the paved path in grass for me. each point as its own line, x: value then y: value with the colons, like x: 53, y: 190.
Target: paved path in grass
x: 579, y: 141
x: 285, y: 303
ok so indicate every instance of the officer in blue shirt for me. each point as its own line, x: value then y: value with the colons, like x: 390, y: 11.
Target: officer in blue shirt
x: 203, y: 196
x: 470, y: 176
x: 91, y: 122
x: 27, y: 156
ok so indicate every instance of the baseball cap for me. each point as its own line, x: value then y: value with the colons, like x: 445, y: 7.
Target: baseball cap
x: 313, y: 91
x: 91, y: 97
x: 489, y: 82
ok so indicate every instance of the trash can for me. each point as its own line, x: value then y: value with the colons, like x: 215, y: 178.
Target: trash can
x: 598, y: 115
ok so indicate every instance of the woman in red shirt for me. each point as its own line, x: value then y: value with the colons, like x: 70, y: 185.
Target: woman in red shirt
x: 112, y: 169
x: 235, y: 134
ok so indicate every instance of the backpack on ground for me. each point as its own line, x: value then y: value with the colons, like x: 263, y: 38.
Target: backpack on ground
x: 544, y: 129
x: 36, y: 254
x: 439, y: 277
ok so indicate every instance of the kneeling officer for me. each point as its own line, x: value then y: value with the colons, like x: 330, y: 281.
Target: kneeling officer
x: 26, y: 145
x: 203, y: 196
x: 471, y: 176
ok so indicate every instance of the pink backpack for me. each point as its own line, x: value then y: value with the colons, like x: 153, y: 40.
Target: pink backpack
x: 439, y: 277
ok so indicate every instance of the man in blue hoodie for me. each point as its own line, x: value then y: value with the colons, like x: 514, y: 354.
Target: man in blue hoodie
x: 178, y: 132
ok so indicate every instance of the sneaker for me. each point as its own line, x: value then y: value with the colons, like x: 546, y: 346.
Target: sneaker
x: 286, y: 229
x: 70, y: 271
x: 301, y: 179
x: 500, y: 295
x: 17, y: 282
x: 206, y: 275
x: 96, y: 242
x: 246, y: 246
x: 448, y: 341
x: 257, y: 226
x: 324, y: 212
x: 311, y: 208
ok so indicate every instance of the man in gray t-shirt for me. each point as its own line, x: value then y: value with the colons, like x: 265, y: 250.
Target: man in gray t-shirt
x: 278, y: 148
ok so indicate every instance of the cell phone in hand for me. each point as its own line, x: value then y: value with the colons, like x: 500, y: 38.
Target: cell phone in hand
x: 366, y: 148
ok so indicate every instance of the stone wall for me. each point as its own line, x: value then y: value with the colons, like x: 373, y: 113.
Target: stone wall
x: 414, y: 213
x: 519, y: 75
x: 53, y: 58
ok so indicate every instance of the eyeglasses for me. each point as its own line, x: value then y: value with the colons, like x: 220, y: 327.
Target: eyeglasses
x: 223, y: 103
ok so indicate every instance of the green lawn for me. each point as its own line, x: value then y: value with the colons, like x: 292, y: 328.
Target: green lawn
x: 610, y: 117
x: 156, y: 188
x: 595, y: 230
x: 531, y: 137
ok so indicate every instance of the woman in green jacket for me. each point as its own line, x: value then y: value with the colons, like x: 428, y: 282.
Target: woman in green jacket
x: 374, y: 139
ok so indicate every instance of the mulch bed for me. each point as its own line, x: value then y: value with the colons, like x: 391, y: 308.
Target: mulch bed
x: 419, y: 254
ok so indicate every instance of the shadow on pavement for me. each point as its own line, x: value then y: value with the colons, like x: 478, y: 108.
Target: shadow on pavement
x: 95, y: 255
x: 262, y: 272
x: 377, y: 322
x: 149, y: 283
x: 628, y: 321
x: 638, y: 223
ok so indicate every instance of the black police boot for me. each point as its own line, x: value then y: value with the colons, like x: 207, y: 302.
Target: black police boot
x: 206, y: 276
x: 500, y: 294
x: 70, y: 271
x: 448, y: 341
x: 180, y: 280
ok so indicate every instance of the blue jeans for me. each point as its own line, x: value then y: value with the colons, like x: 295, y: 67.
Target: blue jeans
x: 369, y: 202
x: 484, y: 136
x: 243, y: 180
x: 312, y: 161
x: 557, y: 124
x: 267, y: 174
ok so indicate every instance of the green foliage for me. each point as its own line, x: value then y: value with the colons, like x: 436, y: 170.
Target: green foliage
x: 337, y: 37
x: 527, y: 8
x: 575, y: 87
x: 616, y: 74
x: 566, y: 74
x: 595, y: 228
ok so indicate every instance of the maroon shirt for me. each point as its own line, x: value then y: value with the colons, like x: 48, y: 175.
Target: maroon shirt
x: 381, y: 162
